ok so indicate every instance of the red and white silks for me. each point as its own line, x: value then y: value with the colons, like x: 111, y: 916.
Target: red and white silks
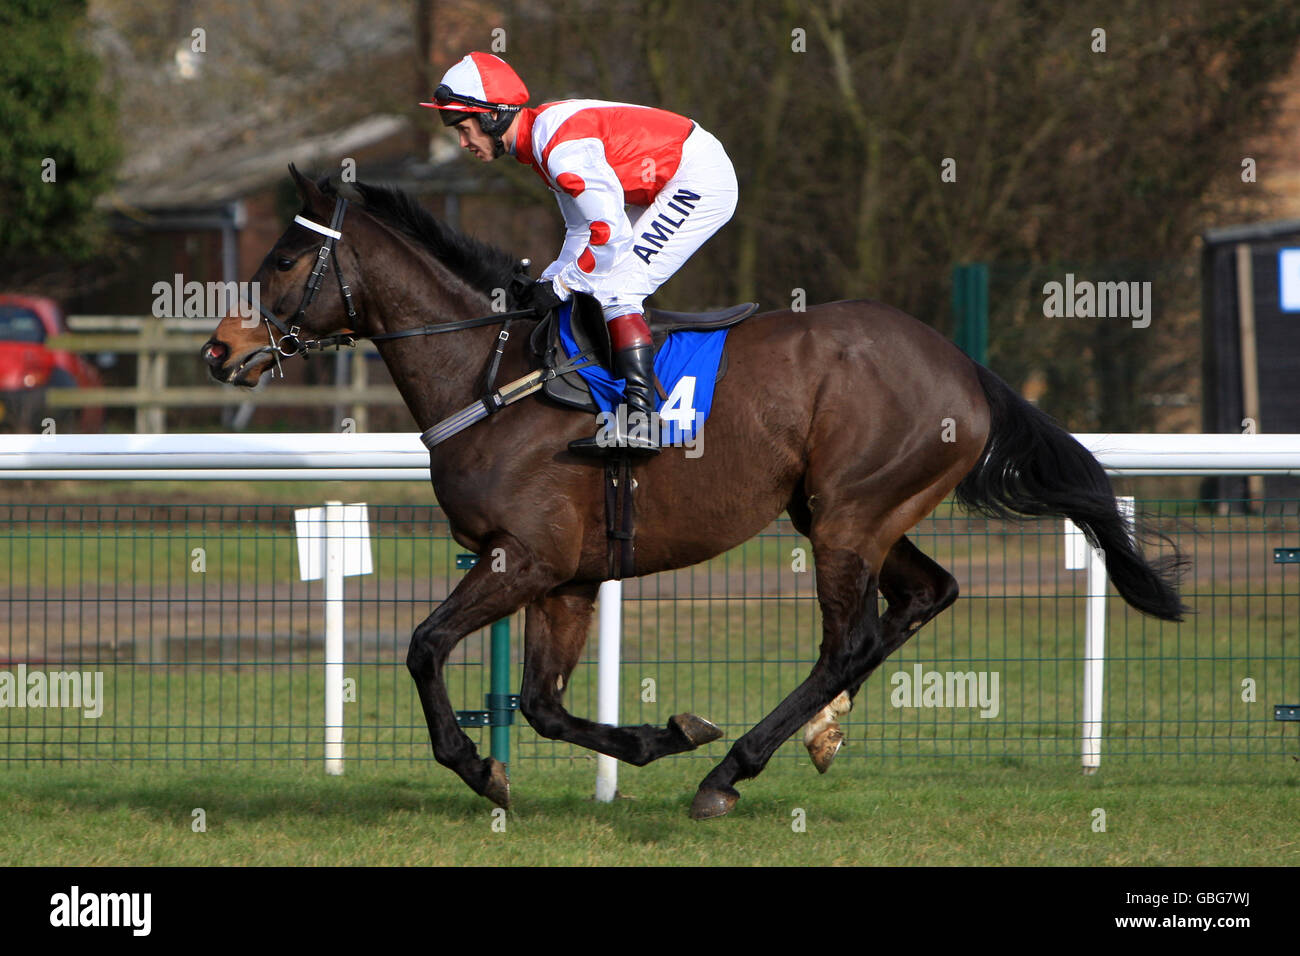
x: 600, y: 157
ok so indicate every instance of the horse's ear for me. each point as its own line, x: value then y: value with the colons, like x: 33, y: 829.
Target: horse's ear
x: 307, y: 189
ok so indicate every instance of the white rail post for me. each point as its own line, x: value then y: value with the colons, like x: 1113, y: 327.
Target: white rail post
x: 334, y: 637
x: 1094, y: 659
x: 610, y: 597
x: 1078, y: 555
x: 333, y: 542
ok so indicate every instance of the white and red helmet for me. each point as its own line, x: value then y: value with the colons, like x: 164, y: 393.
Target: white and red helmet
x: 480, y: 83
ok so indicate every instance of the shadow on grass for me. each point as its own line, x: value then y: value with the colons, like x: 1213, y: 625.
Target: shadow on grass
x: 359, y: 797
x: 248, y: 796
x: 656, y: 800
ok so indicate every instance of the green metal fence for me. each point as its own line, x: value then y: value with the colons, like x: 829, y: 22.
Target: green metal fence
x: 209, y: 648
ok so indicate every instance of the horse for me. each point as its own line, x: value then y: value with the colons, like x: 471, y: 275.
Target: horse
x: 854, y: 418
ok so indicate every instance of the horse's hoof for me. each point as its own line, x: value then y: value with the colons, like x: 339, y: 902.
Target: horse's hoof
x: 498, y: 784
x: 696, y: 730
x: 824, y: 747
x: 713, y: 803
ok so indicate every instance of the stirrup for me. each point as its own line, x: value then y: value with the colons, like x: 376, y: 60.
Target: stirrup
x: 633, y: 362
x: 600, y: 446
x: 606, y: 445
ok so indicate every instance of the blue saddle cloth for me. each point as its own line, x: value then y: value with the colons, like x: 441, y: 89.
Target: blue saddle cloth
x: 686, y: 365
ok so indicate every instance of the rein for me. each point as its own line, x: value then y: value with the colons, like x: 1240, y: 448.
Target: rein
x: 291, y: 343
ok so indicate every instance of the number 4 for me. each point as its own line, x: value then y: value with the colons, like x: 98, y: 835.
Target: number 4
x: 679, y: 406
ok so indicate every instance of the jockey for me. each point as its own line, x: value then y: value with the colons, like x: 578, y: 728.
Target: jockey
x: 598, y: 158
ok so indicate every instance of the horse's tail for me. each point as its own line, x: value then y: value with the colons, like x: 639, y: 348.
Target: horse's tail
x: 1032, y: 467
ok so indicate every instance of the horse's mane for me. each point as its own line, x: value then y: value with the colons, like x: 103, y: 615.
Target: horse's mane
x: 482, y: 265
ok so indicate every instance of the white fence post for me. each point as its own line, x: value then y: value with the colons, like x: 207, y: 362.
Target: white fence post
x: 334, y: 637
x: 1094, y: 659
x: 610, y: 597
x: 333, y: 542
x: 1079, y: 555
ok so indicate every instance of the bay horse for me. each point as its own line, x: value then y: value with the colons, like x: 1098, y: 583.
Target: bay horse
x: 853, y: 417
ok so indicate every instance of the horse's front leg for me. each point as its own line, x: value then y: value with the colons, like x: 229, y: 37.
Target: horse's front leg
x: 483, y: 596
x: 847, y: 589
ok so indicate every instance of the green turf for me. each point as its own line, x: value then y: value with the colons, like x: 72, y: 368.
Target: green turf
x: 1240, y: 813
x: 249, y: 547
x: 213, y: 699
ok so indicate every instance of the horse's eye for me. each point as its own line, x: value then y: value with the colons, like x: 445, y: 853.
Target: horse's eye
x: 284, y: 264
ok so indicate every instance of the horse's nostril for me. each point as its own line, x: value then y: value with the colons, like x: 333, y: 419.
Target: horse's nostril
x: 214, y: 352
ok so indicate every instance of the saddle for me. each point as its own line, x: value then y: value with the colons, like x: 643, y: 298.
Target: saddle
x: 587, y: 326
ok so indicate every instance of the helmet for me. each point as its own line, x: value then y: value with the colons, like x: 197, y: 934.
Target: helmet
x: 481, y: 84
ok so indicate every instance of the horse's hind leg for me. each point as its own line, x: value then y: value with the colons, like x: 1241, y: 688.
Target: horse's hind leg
x: 917, y: 589
x: 847, y: 582
x: 555, y: 631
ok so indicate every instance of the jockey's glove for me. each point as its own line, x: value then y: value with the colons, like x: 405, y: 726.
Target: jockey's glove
x: 542, y: 298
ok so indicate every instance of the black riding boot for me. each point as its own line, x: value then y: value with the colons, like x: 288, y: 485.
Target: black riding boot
x: 635, y: 428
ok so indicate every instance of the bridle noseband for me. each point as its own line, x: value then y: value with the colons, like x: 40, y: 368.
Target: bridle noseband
x: 290, y: 343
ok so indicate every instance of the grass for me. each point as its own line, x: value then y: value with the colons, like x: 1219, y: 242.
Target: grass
x: 213, y: 699
x: 298, y: 494
x: 920, y: 813
x: 74, y: 546
x: 113, y: 547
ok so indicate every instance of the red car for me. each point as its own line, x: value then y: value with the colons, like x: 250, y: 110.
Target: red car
x: 28, y: 368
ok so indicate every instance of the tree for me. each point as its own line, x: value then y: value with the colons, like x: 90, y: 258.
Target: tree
x: 60, y: 145
x: 1069, y: 152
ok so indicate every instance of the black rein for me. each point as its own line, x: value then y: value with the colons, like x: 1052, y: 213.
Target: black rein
x: 291, y: 343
